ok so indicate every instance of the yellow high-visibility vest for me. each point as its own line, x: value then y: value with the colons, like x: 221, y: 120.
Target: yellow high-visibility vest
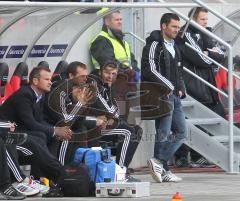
x: 102, y: 10
x: 122, y: 54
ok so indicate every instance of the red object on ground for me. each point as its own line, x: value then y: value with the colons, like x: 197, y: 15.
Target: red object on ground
x: 177, y: 197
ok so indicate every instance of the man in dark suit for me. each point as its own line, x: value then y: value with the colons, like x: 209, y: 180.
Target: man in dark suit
x: 25, y: 108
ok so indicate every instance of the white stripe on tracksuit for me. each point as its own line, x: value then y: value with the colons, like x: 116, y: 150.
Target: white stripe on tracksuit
x: 13, y: 167
x: 126, y: 133
x: 27, y: 152
x: 67, y: 118
x: 196, y: 46
x: 113, y: 109
x: 153, y: 66
x: 126, y: 141
x: 63, y: 151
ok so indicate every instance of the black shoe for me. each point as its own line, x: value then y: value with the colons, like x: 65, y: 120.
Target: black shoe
x: 10, y: 193
x: 15, y: 138
x: 2, y: 197
x: 53, y: 192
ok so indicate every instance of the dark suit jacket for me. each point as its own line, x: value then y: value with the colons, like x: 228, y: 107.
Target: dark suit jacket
x: 22, y: 109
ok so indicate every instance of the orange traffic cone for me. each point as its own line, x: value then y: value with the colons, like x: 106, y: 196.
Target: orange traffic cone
x: 177, y: 197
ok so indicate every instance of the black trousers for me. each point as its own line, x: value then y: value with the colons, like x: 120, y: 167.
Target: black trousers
x: 43, y: 163
x: 4, y: 171
x: 13, y: 164
x: 128, y: 138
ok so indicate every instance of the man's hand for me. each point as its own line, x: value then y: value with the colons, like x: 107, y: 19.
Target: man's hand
x: 214, y: 49
x: 205, y: 52
x: 110, y: 122
x: 85, y: 95
x: 63, y: 133
x: 101, y: 121
x: 12, y: 126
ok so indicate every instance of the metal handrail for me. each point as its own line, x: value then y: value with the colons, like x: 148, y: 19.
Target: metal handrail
x: 212, y: 60
x: 205, y: 82
x: 135, y: 36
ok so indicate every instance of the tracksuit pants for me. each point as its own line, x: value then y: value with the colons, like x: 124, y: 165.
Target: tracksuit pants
x: 4, y: 171
x: 128, y: 138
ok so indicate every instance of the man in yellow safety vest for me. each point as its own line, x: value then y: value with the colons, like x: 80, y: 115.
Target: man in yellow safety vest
x: 109, y: 44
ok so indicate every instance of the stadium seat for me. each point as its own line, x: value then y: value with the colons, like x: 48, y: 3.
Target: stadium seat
x: 5, y: 87
x: 61, y: 67
x: 43, y: 64
x: 20, y: 76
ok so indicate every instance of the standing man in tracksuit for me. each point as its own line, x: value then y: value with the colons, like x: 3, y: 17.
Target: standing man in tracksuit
x: 199, y: 64
x: 162, y: 64
x: 204, y: 68
x: 115, y: 129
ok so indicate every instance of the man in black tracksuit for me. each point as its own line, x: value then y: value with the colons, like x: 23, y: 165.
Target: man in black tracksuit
x: 116, y: 129
x: 199, y: 64
x: 29, y: 152
x: 7, y: 191
x: 162, y: 64
x: 66, y: 105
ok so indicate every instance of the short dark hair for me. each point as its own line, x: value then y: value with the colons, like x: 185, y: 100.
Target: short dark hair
x: 72, y: 67
x: 167, y: 17
x: 35, y: 73
x: 109, y: 63
x: 197, y: 11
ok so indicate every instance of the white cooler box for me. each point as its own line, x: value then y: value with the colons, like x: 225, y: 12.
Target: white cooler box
x: 123, y: 189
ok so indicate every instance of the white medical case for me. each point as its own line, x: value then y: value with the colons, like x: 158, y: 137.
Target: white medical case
x: 123, y: 189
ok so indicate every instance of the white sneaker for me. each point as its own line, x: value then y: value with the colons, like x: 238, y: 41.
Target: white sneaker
x: 38, y: 186
x: 156, y: 169
x: 168, y: 176
x: 25, y: 189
